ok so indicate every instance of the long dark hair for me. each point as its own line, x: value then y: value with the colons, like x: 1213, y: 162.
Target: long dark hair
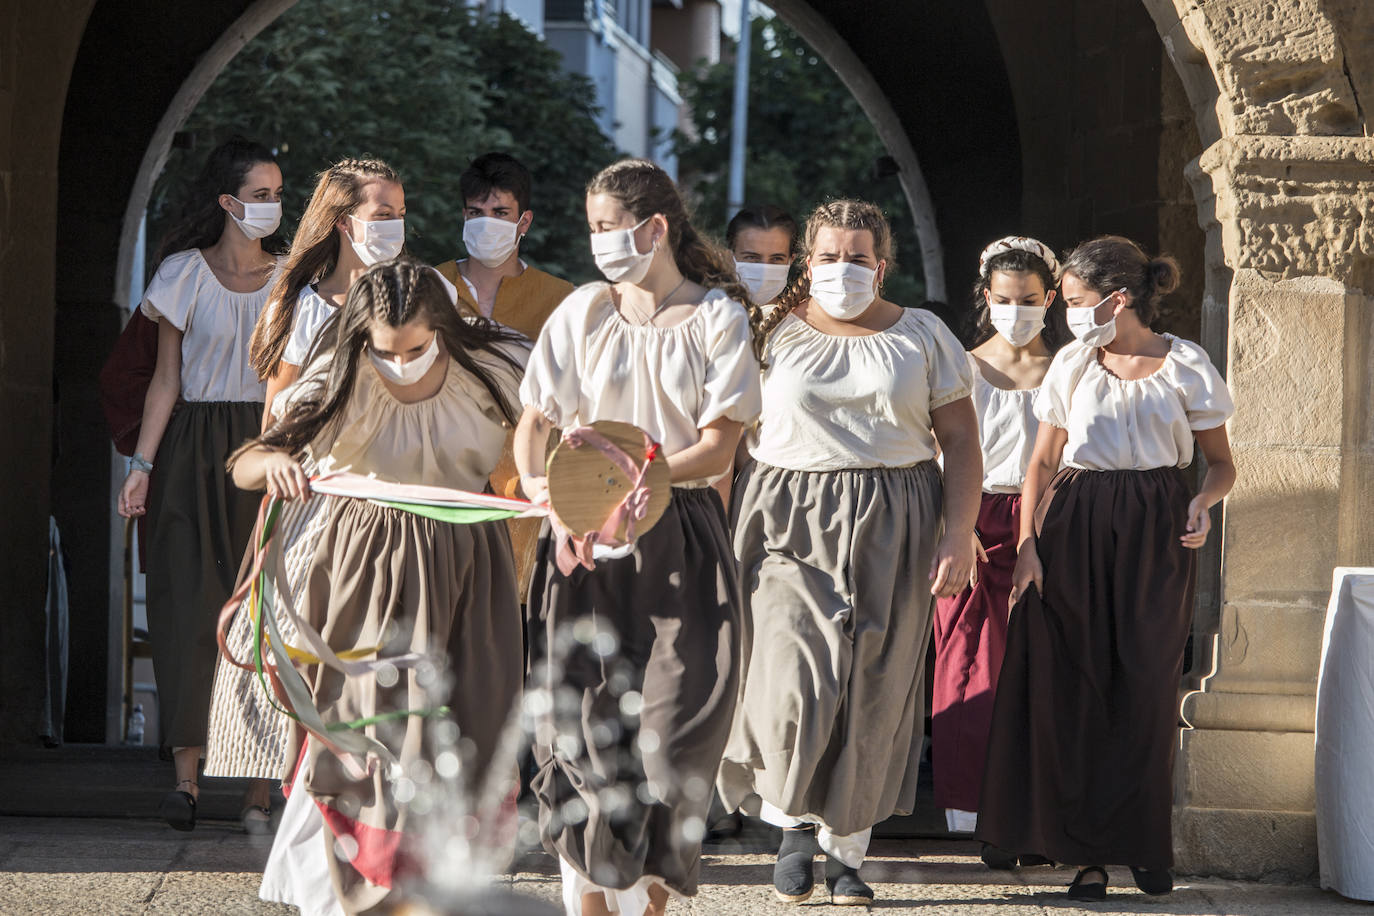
x: 644, y: 189
x: 393, y: 293
x: 202, y: 218
x: 1108, y: 263
x: 314, y: 253
x: 834, y: 214
x: 1016, y: 261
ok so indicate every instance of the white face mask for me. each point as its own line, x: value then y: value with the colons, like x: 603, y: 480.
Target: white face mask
x: 489, y: 240
x: 399, y: 373
x: 381, y: 239
x: 618, y: 258
x: 1083, y: 324
x: 764, y: 281
x: 1019, y: 324
x: 843, y: 289
x: 259, y: 220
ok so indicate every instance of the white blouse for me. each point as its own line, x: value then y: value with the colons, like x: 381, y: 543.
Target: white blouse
x: 833, y: 403
x: 312, y: 311
x: 591, y: 364
x: 453, y: 439
x: 1006, y: 429
x: 1116, y: 424
x: 216, y: 326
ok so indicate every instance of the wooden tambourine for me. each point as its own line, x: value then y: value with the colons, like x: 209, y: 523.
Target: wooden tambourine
x: 585, y: 486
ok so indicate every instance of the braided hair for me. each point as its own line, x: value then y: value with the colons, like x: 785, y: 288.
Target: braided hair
x: 833, y: 214
x: 644, y: 189
x: 392, y: 293
x: 314, y: 253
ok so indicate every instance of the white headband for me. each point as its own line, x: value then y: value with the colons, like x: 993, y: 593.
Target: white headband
x: 1018, y: 243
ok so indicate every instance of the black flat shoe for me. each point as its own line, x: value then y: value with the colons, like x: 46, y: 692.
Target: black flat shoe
x: 1089, y: 892
x: 996, y: 858
x: 793, y: 875
x: 1154, y: 881
x: 1032, y: 861
x: 728, y: 827
x: 178, y: 809
x: 845, y: 886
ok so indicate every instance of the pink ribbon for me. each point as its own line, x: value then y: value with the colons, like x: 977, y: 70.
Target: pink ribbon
x: 577, y: 550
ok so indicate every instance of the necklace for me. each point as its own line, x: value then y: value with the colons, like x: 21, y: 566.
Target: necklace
x: 666, y: 299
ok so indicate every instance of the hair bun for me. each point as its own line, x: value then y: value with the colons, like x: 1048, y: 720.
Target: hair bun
x: 1164, y: 274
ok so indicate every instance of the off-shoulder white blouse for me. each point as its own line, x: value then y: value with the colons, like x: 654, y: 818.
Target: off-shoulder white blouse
x: 591, y: 364
x: 453, y: 439
x: 1118, y: 424
x: 833, y: 403
x: 216, y: 325
x: 1006, y: 429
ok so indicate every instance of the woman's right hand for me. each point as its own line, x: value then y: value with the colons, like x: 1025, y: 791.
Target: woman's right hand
x: 1028, y: 571
x: 536, y: 488
x: 133, y: 496
x: 285, y: 478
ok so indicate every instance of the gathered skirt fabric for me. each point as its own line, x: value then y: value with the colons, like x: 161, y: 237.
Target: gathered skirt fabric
x: 409, y: 584
x: 199, y: 524
x: 638, y: 658
x: 970, y: 640
x: 835, y: 571
x: 248, y: 736
x: 1085, y: 724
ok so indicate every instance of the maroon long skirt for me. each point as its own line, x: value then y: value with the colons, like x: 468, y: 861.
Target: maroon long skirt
x: 1080, y: 756
x: 970, y: 640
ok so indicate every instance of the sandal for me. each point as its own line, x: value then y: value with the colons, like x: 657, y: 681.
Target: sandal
x: 1089, y: 892
x: 178, y: 808
x: 256, y: 820
x: 1153, y: 881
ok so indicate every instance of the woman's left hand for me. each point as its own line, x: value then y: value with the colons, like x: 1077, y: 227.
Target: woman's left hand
x: 952, y: 565
x: 1199, y: 523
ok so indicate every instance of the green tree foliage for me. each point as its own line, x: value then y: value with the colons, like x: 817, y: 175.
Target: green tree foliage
x: 808, y: 142
x: 426, y: 85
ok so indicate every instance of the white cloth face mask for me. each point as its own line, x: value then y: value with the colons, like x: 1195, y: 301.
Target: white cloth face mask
x: 843, y: 289
x: 618, y: 258
x: 259, y: 220
x: 489, y: 240
x: 1018, y: 324
x: 382, y: 239
x: 765, y: 282
x: 1083, y: 324
x: 399, y: 373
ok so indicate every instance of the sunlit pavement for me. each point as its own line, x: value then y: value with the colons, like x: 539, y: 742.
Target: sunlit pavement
x: 72, y: 865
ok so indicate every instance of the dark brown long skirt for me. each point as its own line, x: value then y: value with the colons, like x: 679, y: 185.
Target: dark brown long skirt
x: 1080, y: 756
x: 199, y: 524
x: 639, y: 658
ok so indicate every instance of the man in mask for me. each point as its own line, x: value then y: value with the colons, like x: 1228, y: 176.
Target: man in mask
x: 493, y: 281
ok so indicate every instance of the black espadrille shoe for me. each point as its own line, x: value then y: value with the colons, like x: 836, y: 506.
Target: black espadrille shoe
x: 793, y: 876
x: 845, y: 886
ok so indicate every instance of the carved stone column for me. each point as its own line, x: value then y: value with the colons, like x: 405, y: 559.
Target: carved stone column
x: 1293, y: 218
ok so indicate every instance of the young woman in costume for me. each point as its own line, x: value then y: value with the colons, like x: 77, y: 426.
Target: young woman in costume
x: 641, y: 700
x: 1019, y: 326
x: 204, y: 399
x: 403, y: 389
x: 763, y: 240
x: 846, y: 530
x: 1080, y: 754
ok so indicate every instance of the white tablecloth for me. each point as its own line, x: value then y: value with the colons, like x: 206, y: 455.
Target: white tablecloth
x: 1345, y: 737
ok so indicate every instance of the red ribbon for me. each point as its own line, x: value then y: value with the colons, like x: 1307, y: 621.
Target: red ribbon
x: 577, y: 550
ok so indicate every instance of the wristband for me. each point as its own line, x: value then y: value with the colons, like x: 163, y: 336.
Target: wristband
x: 139, y: 463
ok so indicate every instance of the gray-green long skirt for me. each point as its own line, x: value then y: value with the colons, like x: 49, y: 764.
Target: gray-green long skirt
x: 835, y: 572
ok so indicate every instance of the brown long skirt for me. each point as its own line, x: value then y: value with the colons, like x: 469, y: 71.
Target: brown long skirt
x: 199, y: 524
x: 1080, y: 756
x: 410, y: 584
x: 639, y: 661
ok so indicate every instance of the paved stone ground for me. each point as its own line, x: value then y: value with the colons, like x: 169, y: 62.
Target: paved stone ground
x: 59, y: 866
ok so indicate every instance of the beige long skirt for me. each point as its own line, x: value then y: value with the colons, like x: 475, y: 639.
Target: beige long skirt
x: 248, y: 735
x: 835, y: 573
x: 406, y: 584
